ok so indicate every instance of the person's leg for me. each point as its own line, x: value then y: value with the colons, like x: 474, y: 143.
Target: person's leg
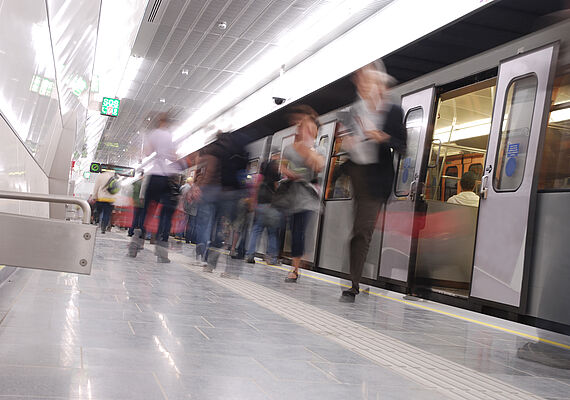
x: 188, y: 228
x: 365, y: 215
x: 298, y: 227
x: 256, y: 231
x: 104, y: 216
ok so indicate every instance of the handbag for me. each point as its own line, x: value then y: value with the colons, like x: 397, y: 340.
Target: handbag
x: 283, y: 197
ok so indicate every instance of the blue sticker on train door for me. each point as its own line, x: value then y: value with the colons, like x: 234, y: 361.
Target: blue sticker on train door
x: 513, y: 150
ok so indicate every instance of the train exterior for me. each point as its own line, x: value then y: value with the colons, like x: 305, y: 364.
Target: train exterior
x: 503, y: 115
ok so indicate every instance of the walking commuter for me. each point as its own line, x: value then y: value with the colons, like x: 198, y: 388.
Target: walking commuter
x: 106, y: 186
x: 189, y: 198
x: 301, y: 161
x: 158, y: 187
x: 138, y: 205
x: 266, y: 216
x: 467, y: 197
x: 377, y: 130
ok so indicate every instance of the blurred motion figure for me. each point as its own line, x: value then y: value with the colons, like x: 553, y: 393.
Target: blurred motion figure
x: 377, y: 129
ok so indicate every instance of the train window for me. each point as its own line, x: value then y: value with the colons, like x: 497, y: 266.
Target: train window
x: 338, y: 184
x: 555, y: 164
x: 407, y: 163
x: 515, y: 134
x: 450, y: 187
x: 477, y: 169
x: 253, y: 166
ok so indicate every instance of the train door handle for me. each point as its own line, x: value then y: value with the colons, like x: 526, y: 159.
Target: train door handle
x: 484, y: 186
x: 412, y: 193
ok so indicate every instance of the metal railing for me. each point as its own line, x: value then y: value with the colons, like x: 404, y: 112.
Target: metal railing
x: 50, y: 198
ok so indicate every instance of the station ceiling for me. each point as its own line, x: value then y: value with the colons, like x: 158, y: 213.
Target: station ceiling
x: 190, y: 59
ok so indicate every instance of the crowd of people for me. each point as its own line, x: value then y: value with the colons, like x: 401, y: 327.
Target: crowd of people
x: 224, y: 207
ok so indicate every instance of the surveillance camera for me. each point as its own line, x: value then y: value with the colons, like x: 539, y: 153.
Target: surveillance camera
x: 278, y: 100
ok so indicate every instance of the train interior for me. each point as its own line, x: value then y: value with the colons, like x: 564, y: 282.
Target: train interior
x: 446, y: 231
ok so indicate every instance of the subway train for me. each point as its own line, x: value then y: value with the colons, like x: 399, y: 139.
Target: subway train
x: 503, y: 114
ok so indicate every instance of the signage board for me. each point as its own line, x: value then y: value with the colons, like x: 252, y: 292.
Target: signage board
x: 124, y: 171
x: 110, y: 107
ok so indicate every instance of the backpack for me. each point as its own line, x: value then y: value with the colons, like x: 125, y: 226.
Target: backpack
x: 112, y: 186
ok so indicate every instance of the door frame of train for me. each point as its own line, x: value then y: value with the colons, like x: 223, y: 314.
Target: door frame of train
x: 540, y: 63
x: 423, y: 99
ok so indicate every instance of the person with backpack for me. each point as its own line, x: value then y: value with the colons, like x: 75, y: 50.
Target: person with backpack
x: 104, y: 191
x: 266, y: 216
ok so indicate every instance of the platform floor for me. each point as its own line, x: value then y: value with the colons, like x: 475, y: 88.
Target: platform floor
x: 135, y: 329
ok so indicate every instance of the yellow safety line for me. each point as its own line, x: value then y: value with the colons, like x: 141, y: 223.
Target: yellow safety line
x: 413, y: 304
x: 449, y: 314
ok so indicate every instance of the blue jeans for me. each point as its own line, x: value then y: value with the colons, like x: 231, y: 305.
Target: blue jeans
x: 105, y: 211
x: 137, y: 220
x: 260, y: 222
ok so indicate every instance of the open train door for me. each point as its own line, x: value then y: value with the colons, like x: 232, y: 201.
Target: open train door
x: 399, y: 220
x: 508, y: 186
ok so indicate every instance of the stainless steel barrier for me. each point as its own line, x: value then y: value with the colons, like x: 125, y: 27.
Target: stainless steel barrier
x: 44, y: 243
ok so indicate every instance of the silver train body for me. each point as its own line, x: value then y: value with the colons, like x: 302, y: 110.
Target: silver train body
x: 509, y: 256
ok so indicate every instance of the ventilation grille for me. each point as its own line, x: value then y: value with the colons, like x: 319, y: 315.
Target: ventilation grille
x: 154, y: 10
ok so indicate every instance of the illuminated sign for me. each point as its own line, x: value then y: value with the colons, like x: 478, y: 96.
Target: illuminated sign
x: 110, y: 107
x: 125, y: 171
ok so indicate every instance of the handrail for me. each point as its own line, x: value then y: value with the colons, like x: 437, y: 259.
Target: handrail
x: 50, y: 198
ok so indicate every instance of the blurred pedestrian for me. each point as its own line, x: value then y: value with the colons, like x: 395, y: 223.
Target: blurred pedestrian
x: 138, y: 206
x: 377, y: 129
x: 106, y: 186
x: 158, y: 186
x: 301, y: 162
x: 266, y: 216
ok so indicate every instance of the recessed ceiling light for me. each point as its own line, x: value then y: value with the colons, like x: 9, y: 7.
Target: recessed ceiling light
x: 162, y: 100
x: 185, y: 71
x: 222, y: 25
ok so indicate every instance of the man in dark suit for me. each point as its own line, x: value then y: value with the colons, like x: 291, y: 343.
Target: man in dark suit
x: 377, y: 130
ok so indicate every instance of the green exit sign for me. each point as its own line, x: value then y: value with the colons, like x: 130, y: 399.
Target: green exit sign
x: 110, y: 107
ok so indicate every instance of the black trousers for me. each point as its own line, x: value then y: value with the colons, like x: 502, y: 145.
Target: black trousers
x: 366, y: 209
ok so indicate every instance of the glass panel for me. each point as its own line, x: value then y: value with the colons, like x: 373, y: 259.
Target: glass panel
x: 253, y: 166
x: 477, y: 169
x: 338, y: 184
x: 450, y: 186
x: 515, y: 134
x: 407, y: 164
x: 555, y: 165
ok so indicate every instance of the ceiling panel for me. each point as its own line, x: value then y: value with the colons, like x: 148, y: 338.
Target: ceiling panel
x: 191, y: 15
x: 159, y: 39
x: 188, y: 47
x: 210, y: 15
x: 224, y: 44
x: 174, y: 42
x: 172, y: 12
x: 203, y: 49
x: 265, y: 20
x: 246, y: 56
x: 248, y: 17
x: 231, y: 53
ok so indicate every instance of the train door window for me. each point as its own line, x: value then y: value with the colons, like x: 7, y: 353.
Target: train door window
x: 253, y: 166
x: 555, y: 165
x: 338, y: 183
x: 450, y: 183
x: 515, y: 134
x: 407, y: 163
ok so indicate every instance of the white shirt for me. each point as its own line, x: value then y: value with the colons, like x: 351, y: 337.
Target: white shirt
x: 467, y: 198
x: 160, y: 141
x: 364, y: 150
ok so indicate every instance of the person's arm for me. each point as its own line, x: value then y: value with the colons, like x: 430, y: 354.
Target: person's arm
x: 144, y: 185
x: 313, y: 159
x: 96, y: 188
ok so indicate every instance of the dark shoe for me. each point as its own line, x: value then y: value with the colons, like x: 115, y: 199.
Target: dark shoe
x: 291, y: 279
x: 250, y: 260
x: 103, y: 232
x: 348, y: 296
x: 162, y: 260
x: 274, y: 261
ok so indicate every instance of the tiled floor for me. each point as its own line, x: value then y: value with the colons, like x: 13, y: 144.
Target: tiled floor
x: 135, y: 329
